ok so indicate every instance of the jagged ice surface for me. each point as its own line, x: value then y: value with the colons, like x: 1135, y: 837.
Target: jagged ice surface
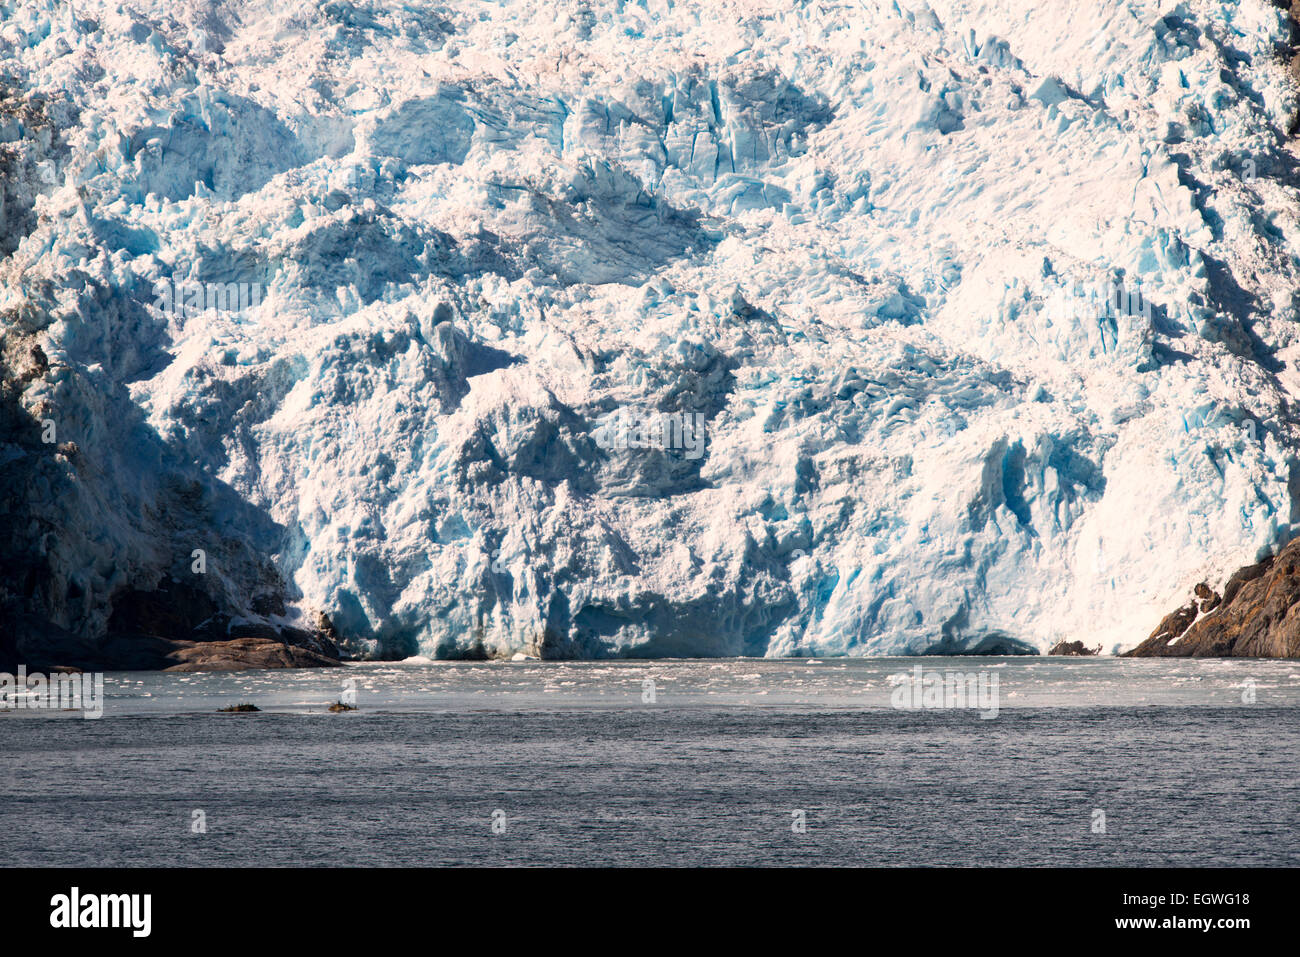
x: 835, y: 229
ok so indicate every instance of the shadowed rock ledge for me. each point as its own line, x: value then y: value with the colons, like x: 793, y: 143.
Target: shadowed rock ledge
x: 174, y: 627
x: 1258, y: 616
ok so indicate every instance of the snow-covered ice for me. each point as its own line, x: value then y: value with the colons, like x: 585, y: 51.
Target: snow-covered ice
x: 852, y: 236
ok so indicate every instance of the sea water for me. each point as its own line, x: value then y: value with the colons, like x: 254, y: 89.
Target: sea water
x: 734, y: 762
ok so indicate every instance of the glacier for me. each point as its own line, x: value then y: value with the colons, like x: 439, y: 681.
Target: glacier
x: 987, y: 310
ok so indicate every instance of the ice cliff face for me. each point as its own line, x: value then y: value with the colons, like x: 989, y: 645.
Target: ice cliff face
x: 616, y: 328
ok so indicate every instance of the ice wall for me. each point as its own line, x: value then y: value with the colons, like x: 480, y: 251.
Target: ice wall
x: 987, y: 309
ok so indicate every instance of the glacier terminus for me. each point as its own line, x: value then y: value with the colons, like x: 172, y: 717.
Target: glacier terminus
x: 641, y: 329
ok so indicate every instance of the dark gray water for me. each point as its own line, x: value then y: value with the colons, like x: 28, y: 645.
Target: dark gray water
x: 1179, y: 785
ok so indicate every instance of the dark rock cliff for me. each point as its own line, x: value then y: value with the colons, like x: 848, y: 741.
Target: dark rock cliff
x: 1258, y: 616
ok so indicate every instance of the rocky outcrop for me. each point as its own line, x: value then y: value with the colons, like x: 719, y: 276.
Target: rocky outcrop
x: 1258, y: 616
x: 1074, y: 649
x: 174, y: 627
x: 239, y: 654
x: 56, y: 650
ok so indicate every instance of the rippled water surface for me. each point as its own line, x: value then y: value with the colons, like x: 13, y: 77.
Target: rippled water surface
x: 667, y: 762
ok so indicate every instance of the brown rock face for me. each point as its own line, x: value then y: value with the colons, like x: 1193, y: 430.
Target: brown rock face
x: 1073, y: 649
x: 242, y: 654
x: 1257, y: 617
